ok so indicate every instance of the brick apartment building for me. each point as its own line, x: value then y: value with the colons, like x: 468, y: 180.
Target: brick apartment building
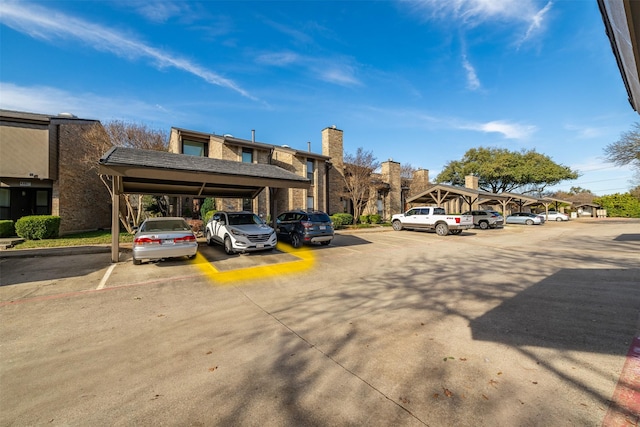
x: 325, y: 171
x: 43, y: 171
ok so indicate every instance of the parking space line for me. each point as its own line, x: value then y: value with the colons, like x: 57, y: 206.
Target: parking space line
x: 103, y: 282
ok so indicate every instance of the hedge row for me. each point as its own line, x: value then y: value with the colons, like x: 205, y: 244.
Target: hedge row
x: 370, y: 219
x: 341, y: 219
x: 7, y: 228
x: 38, y: 227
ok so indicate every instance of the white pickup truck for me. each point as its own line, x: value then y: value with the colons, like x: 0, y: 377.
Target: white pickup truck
x: 431, y: 218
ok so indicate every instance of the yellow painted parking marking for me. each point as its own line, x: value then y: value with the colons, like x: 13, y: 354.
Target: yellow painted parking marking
x: 304, y: 262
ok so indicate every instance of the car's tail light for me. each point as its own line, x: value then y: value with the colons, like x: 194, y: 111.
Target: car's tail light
x: 146, y: 241
x: 458, y: 220
x: 185, y: 239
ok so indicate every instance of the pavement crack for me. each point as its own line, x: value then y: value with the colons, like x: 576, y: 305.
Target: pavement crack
x: 332, y: 359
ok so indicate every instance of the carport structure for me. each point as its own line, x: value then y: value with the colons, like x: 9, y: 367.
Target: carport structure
x: 442, y: 193
x: 520, y: 200
x: 547, y: 201
x: 439, y: 194
x: 138, y: 171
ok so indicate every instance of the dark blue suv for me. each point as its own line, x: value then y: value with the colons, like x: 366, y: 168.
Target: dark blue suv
x: 298, y: 227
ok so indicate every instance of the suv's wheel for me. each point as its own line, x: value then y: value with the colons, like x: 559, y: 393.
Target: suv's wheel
x: 136, y: 261
x: 207, y: 235
x: 325, y: 242
x: 228, y: 247
x: 484, y: 225
x: 397, y: 225
x: 442, y: 229
x: 296, y: 241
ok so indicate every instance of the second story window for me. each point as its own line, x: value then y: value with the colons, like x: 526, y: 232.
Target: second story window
x: 247, y: 155
x: 310, y: 170
x: 195, y: 148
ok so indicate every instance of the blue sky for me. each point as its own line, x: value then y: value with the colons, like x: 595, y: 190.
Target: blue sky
x: 420, y: 82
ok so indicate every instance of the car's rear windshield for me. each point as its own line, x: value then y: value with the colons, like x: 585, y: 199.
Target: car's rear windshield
x: 244, y: 219
x: 176, y: 225
x: 319, y: 217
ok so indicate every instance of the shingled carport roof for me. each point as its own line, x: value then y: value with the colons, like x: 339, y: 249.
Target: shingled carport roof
x: 441, y: 193
x: 159, y: 172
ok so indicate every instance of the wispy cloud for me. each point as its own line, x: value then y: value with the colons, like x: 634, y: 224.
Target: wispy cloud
x: 587, y: 132
x: 339, y: 70
x: 49, y: 100
x: 473, y: 83
x: 330, y: 68
x: 342, y: 75
x: 48, y: 24
x: 594, y: 164
x: 294, y: 33
x: 158, y: 11
x: 280, y: 59
x: 524, y: 19
x: 477, y: 12
x: 508, y: 130
x: 418, y: 118
x: 536, y: 23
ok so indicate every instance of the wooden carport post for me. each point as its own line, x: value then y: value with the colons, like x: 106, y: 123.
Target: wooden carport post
x: 115, y: 218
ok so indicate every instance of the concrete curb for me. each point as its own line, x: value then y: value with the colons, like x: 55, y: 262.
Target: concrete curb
x: 64, y: 250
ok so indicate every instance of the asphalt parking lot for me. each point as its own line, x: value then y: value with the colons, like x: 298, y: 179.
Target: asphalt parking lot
x: 531, y: 326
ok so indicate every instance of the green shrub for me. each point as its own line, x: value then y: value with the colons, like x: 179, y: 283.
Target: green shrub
x: 7, y: 228
x: 375, y: 219
x: 38, y: 227
x: 208, y: 205
x: 364, y: 219
x: 620, y: 205
x: 341, y: 219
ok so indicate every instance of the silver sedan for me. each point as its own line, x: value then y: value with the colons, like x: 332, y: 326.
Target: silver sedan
x: 524, y: 218
x: 167, y: 237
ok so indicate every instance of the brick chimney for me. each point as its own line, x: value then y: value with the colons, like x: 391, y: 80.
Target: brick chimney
x: 332, y: 146
x: 471, y: 182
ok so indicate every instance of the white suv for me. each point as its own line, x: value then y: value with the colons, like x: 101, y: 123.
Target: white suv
x: 240, y: 232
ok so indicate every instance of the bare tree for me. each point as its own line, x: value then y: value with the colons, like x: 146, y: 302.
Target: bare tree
x: 406, y: 173
x: 577, y: 195
x: 122, y: 134
x: 357, y: 178
x: 626, y: 151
